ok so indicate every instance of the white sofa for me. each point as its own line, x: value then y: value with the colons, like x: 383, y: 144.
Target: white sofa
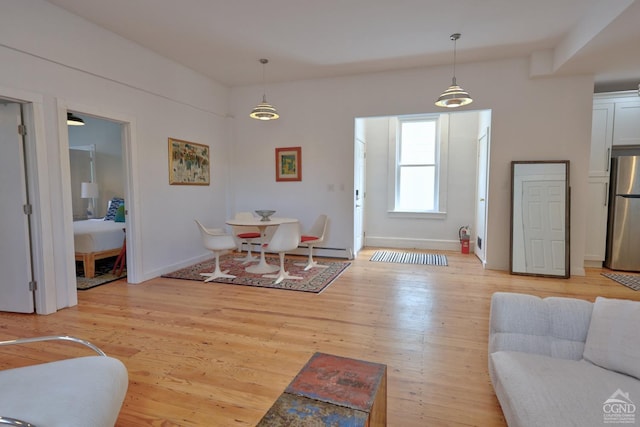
x: 79, y: 392
x: 565, y: 362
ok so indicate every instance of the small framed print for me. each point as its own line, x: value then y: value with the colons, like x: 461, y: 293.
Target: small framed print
x: 289, y: 164
x: 188, y: 163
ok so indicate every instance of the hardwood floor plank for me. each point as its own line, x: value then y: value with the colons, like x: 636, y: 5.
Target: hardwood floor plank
x: 212, y: 354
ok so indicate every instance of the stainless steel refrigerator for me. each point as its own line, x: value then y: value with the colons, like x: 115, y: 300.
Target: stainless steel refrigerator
x: 623, y: 231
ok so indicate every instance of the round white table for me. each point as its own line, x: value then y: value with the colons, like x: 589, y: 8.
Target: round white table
x: 262, y: 267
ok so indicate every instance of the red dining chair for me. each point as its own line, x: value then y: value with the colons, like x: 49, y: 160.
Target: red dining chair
x: 246, y: 234
x: 314, y: 236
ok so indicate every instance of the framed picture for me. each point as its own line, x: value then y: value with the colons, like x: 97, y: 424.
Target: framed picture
x: 289, y: 164
x: 188, y: 163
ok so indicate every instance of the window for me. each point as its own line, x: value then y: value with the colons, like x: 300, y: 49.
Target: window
x: 417, y: 153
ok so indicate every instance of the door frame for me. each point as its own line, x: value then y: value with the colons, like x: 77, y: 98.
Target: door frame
x: 37, y: 170
x: 131, y: 184
x: 482, y: 205
x: 359, y: 191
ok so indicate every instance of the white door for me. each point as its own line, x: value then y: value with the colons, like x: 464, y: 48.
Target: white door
x: 15, y: 256
x: 359, y: 191
x: 543, y: 223
x: 481, y: 201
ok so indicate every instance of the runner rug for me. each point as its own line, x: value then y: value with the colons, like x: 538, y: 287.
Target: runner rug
x: 409, y: 258
x: 631, y: 281
x: 104, y: 275
x: 314, y: 280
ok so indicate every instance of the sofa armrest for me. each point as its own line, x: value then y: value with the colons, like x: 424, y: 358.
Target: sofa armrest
x: 551, y: 326
x: 74, y: 392
x: 6, y: 421
x: 53, y: 338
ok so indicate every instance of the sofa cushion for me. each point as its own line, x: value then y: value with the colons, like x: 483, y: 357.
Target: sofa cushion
x: 79, y: 392
x: 613, y: 341
x: 551, y: 326
x: 536, y: 390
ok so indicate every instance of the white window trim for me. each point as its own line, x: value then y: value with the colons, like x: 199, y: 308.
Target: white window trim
x: 442, y: 144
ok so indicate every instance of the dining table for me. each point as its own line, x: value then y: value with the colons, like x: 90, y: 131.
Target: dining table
x: 261, y: 267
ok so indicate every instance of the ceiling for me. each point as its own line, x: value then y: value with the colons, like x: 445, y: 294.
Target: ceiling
x: 224, y: 39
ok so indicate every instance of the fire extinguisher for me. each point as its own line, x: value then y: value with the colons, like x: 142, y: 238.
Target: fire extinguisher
x: 464, y: 233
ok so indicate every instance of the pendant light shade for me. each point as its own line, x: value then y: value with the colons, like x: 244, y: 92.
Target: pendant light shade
x: 454, y: 96
x: 264, y: 110
x: 74, y: 120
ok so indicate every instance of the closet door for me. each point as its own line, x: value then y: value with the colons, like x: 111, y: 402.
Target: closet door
x: 15, y: 256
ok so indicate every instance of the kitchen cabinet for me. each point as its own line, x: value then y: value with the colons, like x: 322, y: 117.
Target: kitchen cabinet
x: 597, y: 211
x: 615, y: 124
x: 601, y: 138
x: 626, y: 126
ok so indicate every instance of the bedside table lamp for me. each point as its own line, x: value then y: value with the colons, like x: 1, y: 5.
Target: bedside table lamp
x: 89, y: 190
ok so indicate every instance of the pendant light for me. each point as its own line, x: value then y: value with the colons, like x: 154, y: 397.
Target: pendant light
x: 454, y: 96
x: 74, y: 120
x: 264, y: 110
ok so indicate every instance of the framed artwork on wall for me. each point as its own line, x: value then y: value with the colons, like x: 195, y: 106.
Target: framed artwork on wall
x: 188, y: 163
x: 289, y: 164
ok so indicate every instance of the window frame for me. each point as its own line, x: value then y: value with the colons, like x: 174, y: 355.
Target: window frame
x: 441, y: 148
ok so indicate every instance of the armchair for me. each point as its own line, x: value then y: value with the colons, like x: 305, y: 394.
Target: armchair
x: 76, y: 392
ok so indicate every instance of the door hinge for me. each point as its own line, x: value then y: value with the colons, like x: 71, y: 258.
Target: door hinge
x: 22, y: 130
x: 28, y: 209
x: 33, y: 285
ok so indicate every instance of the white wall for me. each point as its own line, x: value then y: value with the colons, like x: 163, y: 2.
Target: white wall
x: 104, y: 73
x: 532, y: 119
x: 537, y: 119
x: 440, y: 232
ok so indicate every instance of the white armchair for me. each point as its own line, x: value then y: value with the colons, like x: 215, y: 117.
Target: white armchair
x: 77, y: 392
x: 218, y: 242
x: 286, y: 238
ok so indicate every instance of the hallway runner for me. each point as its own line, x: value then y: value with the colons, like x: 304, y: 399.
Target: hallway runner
x: 409, y: 258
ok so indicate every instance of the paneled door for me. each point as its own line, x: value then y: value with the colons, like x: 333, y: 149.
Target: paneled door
x: 15, y: 253
x: 543, y: 226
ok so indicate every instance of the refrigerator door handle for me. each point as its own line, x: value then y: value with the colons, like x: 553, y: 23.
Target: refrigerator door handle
x: 606, y: 194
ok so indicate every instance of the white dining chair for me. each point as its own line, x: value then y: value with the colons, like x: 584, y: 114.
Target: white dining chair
x: 314, y: 236
x: 286, y: 238
x: 217, y: 241
x: 246, y: 234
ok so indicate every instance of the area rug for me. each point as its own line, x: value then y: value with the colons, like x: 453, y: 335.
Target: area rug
x: 409, y: 258
x: 314, y: 280
x: 103, y: 275
x: 631, y: 281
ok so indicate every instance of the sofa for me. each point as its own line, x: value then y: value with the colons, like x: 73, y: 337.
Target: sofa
x: 565, y: 362
x: 85, y: 391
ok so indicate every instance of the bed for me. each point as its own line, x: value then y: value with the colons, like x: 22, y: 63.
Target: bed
x: 96, y: 239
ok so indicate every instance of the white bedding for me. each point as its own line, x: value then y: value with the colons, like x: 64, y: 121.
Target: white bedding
x: 96, y: 235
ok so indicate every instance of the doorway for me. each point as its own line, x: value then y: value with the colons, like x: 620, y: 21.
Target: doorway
x: 96, y: 161
x: 379, y: 220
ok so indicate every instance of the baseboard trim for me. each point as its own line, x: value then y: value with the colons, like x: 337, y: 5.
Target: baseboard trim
x: 427, y: 244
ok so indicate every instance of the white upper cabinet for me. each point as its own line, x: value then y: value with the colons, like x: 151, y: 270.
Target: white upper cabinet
x: 601, y: 139
x: 626, y: 127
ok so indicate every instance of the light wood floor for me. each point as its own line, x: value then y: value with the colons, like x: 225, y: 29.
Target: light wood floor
x: 219, y: 355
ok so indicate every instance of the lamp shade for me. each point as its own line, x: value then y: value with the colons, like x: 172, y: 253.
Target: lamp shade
x: 454, y: 97
x: 89, y: 190
x: 74, y: 120
x: 264, y: 111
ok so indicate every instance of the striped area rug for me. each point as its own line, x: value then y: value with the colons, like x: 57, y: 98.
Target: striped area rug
x: 631, y: 281
x: 409, y: 258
